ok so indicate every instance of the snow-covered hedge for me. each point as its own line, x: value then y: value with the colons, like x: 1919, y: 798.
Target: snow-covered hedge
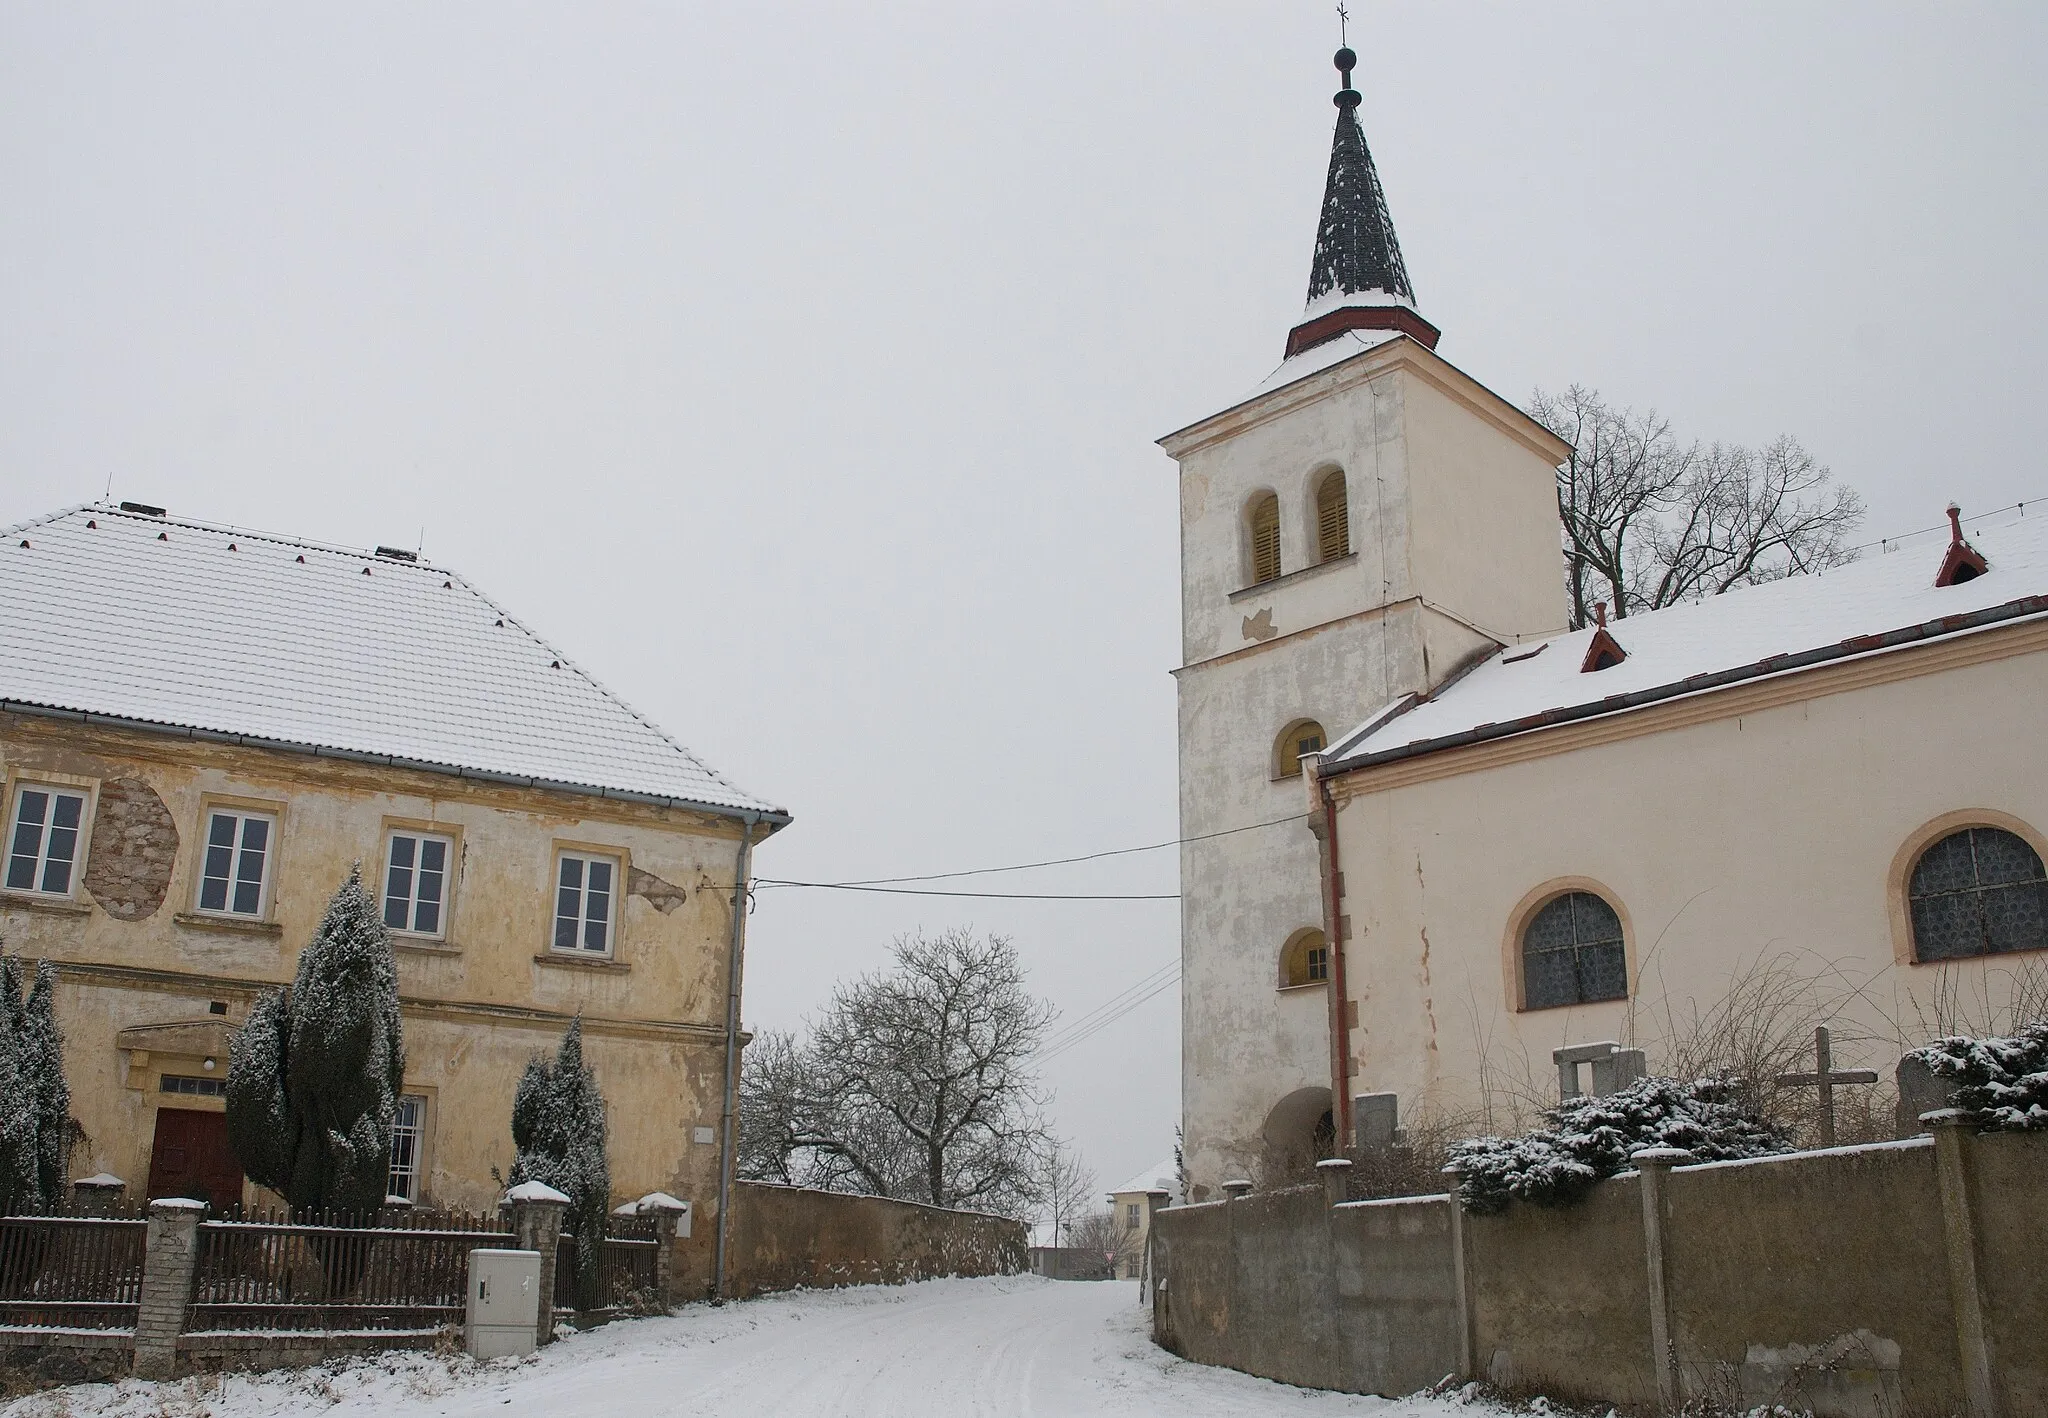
x: 2003, y: 1083
x: 1589, y: 1139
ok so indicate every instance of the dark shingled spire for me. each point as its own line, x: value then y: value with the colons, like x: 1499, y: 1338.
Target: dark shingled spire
x: 1357, y: 252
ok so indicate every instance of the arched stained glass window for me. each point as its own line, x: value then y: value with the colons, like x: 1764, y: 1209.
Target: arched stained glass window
x: 1333, y: 517
x: 1264, y: 525
x: 1980, y: 891
x: 1572, y: 953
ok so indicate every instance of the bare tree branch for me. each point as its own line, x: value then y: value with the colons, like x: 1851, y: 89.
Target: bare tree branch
x: 1649, y: 522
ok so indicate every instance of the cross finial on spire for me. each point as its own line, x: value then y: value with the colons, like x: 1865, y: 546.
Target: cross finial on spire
x: 1343, y: 25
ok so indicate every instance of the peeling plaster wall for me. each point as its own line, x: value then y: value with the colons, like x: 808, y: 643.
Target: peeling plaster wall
x: 1443, y: 505
x: 476, y: 1004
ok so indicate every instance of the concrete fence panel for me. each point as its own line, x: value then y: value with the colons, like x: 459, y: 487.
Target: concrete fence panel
x: 1789, y: 1281
x: 1397, y: 1307
x: 2010, y: 1199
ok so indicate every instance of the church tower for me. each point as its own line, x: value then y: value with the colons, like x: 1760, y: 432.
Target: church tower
x: 1367, y: 522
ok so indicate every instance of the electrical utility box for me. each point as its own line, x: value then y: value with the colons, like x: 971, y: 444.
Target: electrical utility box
x: 503, y: 1313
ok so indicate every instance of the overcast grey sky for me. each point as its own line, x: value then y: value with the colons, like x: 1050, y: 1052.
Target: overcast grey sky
x: 796, y: 368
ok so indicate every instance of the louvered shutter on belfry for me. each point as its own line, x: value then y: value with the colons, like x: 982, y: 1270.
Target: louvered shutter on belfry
x: 1333, y: 519
x: 1266, y: 539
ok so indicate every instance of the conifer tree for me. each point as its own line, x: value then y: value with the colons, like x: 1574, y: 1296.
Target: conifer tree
x: 42, y: 1058
x: 315, y: 1073
x: 558, y: 1127
x: 20, y: 1191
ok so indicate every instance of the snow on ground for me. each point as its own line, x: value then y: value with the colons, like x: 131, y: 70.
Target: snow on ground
x: 1009, y: 1347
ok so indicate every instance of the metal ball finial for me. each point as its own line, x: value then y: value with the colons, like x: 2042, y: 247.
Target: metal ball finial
x: 1346, y: 97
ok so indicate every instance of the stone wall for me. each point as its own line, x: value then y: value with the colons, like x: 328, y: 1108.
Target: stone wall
x: 792, y: 1238
x: 1844, y: 1282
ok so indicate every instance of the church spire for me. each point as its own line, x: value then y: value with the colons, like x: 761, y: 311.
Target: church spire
x: 1357, y: 280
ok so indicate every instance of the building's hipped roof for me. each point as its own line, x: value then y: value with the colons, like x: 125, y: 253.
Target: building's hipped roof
x: 193, y: 628
x: 1870, y: 607
x: 1161, y: 1176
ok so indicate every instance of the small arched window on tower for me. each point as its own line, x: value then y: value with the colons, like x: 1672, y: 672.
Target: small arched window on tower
x: 1573, y: 953
x: 1305, y: 960
x: 1298, y: 739
x: 1980, y: 891
x: 1333, y: 517
x: 1262, y: 528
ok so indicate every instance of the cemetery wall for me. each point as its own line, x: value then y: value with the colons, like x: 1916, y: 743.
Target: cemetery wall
x: 1559, y: 1299
x: 1819, y: 1280
x: 1359, y: 1296
x: 793, y: 1238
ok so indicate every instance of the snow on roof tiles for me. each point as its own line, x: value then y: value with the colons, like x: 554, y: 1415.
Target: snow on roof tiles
x: 1162, y: 1176
x: 1799, y: 615
x: 191, y: 626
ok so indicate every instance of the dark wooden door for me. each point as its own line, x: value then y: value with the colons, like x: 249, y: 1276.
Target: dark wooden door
x: 191, y: 1157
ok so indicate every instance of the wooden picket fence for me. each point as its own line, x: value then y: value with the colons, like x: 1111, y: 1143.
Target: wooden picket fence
x: 334, y: 1271
x: 71, y: 1272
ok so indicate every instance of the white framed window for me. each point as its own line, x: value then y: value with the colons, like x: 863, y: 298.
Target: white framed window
x: 42, y: 848
x: 586, y: 886
x: 234, y: 875
x: 408, y: 1137
x: 1132, y: 1214
x: 416, y: 883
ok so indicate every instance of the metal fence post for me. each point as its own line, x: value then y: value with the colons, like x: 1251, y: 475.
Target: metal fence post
x: 170, y: 1261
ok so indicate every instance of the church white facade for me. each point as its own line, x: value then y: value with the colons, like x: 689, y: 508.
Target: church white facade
x: 1363, y: 526
x: 1510, y: 839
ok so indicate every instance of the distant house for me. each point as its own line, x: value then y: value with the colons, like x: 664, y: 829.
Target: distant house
x: 1133, y: 1218
x: 202, y: 729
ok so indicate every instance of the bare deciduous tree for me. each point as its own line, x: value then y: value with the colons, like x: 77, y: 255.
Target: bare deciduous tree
x: 1102, y: 1231
x: 1650, y: 521
x: 1065, y: 1184
x: 915, y: 1084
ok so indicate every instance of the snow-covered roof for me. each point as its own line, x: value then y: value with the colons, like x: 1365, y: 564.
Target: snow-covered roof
x: 1317, y: 358
x: 1162, y: 1176
x: 1872, y: 606
x: 191, y: 627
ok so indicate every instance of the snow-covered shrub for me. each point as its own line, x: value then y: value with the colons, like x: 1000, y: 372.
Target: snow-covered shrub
x: 2003, y: 1083
x: 35, y: 1134
x: 1588, y: 1139
x: 315, y: 1073
x: 558, y: 1127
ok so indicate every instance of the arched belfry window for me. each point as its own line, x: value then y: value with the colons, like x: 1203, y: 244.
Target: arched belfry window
x: 1572, y: 953
x: 1980, y: 891
x: 1262, y: 529
x: 1333, y: 517
x: 1302, y: 737
x: 1305, y: 960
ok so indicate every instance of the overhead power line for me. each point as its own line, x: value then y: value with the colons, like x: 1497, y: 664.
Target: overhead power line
x: 1082, y: 1033
x: 762, y: 881
x: 1061, y: 861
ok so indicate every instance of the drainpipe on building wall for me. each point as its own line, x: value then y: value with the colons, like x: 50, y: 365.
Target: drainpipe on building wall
x: 734, y: 958
x: 1333, y: 933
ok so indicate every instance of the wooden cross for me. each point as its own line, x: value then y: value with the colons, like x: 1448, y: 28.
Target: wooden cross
x: 1825, y: 1079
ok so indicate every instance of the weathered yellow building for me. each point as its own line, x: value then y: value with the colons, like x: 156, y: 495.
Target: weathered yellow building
x: 203, y: 729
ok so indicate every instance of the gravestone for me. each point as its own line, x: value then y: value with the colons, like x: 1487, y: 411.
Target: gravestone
x: 1614, y: 1068
x: 1376, y: 1120
x: 1921, y: 1090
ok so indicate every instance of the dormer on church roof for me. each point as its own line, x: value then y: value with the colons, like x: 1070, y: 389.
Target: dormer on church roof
x: 1357, y: 280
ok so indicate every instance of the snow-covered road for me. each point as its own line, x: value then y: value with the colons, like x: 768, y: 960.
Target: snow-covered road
x: 1015, y: 1347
